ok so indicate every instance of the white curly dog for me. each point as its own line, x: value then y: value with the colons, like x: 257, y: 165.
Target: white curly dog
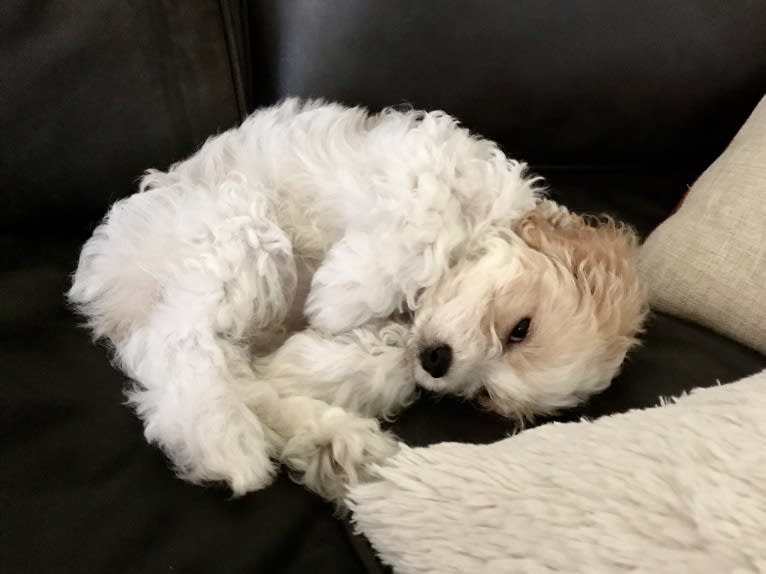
x: 299, y: 276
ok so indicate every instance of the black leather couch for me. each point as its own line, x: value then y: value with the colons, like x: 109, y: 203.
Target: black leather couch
x: 619, y: 104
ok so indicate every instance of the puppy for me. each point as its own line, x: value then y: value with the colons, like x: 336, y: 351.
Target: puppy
x: 261, y: 294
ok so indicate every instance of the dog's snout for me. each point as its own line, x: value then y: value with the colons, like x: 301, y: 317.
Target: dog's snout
x: 436, y: 360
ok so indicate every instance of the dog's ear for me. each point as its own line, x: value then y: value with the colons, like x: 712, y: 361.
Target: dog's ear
x: 583, y: 244
x: 599, y: 253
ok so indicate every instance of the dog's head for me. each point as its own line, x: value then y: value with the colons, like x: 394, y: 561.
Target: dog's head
x: 535, y: 320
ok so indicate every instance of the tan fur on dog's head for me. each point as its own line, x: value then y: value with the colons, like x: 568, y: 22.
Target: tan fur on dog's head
x: 571, y: 280
x: 601, y: 256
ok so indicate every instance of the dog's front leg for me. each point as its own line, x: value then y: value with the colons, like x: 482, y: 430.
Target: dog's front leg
x: 326, y: 448
x: 373, y: 274
x: 331, y: 389
x: 352, y: 286
x: 368, y: 370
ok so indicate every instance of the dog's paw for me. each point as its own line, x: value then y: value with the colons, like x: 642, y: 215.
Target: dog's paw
x: 336, y: 452
x: 351, y: 286
x: 246, y: 470
x: 208, y: 448
x: 337, y: 307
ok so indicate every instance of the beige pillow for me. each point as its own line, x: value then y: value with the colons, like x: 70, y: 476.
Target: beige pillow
x: 707, y: 262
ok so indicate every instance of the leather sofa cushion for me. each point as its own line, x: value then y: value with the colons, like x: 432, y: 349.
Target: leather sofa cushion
x: 83, y: 491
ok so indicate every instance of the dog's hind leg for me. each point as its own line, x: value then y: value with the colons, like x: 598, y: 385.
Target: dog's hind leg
x: 186, y: 392
x: 180, y: 278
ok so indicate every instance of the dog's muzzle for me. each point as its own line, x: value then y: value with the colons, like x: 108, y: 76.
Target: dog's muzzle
x: 436, y: 361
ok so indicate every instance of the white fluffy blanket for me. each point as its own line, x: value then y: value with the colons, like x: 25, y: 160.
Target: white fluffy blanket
x: 677, y: 488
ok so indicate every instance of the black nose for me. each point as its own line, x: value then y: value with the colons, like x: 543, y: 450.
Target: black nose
x: 436, y: 360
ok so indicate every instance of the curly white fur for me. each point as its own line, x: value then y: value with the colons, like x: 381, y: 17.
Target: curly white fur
x: 313, y: 212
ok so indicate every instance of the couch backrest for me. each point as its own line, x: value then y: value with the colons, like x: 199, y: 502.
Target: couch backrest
x: 95, y: 92
x: 580, y: 82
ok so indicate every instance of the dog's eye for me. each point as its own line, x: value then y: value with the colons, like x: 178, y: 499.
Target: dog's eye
x: 519, y: 332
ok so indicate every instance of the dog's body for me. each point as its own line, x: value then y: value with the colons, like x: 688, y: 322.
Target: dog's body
x: 204, y: 281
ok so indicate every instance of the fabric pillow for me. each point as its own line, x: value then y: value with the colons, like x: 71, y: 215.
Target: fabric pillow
x: 678, y: 488
x: 707, y: 262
